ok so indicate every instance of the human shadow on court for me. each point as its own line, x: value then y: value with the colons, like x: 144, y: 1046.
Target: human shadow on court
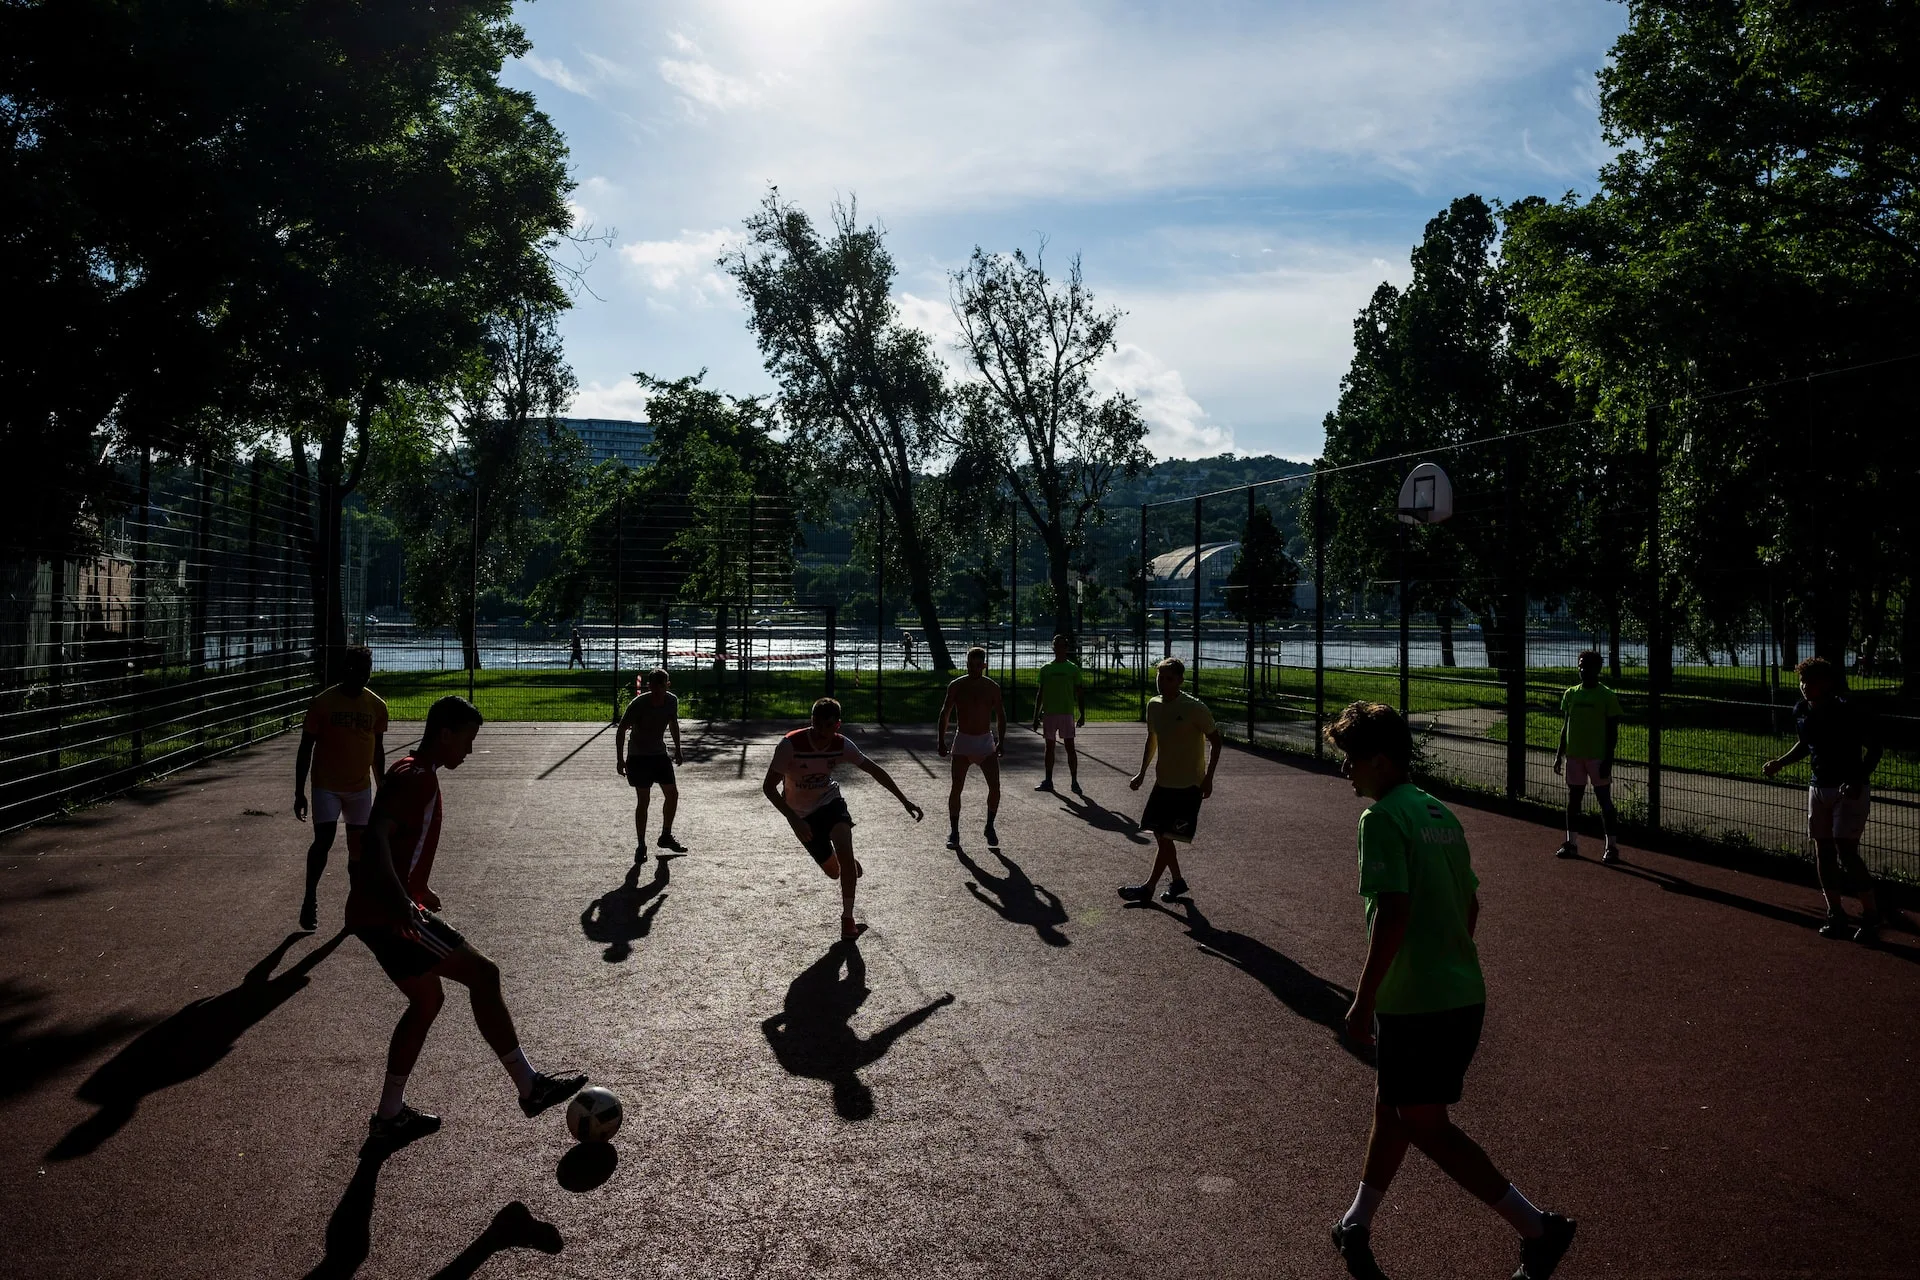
x: 1100, y: 818
x: 30, y: 1052
x: 810, y: 1036
x: 1295, y: 986
x: 1021, y: 901
x: 186, y: 1044
x: 625, y: 915
x: 1805, y: 919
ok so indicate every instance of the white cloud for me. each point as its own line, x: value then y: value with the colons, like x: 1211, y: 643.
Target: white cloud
x: 701, y: 84
x: 1177, y: 427
x: 685, y: 267
x: 555, y: 71
x: 623, y: 399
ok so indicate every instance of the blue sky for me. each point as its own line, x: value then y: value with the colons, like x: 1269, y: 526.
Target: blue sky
x: 1237, y: 176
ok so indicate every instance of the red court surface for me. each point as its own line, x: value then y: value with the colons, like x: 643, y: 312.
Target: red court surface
x: 1672, y: 1055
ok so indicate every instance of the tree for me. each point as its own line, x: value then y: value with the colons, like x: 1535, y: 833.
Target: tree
x: 331, y: 202
x: 1757, y: 226
x: 1261, y: 582
x: 473, y: 479
x: 1034, y: 344
x: 1439, y: 364
x: 861, y: 392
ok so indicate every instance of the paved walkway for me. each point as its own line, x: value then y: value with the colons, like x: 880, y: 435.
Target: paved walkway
x: 1013, y: 1076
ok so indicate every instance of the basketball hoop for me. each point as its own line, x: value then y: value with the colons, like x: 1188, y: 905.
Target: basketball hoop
x: 1426, y: 497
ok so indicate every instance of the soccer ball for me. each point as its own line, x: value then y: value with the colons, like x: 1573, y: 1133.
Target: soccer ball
x: 594, y: 1115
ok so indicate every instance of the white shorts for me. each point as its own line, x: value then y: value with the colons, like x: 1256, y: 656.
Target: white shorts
x: 1582, y: 772
x: 1832, y: 816
x: 331, y: 806
x: 1057, y: 724
x: 973, y: 746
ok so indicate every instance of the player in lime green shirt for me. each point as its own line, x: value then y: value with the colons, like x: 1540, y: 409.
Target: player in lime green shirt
x: 1589, y: 731
x: 1062, y: 688
x: 1421, y: 997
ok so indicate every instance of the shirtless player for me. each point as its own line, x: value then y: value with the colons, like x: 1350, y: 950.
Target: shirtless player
x: 974, y: 703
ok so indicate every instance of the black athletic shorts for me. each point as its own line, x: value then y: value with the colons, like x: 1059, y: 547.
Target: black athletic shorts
x: 821, y: 822
x: 1423, y: 1057
x: 645, y: 770
x: 1172, y: 811
x: 403, y: 957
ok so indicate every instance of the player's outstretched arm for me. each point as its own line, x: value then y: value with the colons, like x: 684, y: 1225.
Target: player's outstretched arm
x: 1000, y: 710
x: 1216, y: 742
x: 1775, y: 765
x: 1560, y: 751
x: 885, y: 779
x: 379, y: 762
x: 1080, y: 696
x: 674, y: 726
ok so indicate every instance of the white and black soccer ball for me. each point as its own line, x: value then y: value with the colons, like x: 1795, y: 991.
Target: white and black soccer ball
x: 594, y: 1115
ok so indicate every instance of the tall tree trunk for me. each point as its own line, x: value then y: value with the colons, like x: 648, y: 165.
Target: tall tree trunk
x: 1833, y: 616
x: 1060, y: 578
x: 1910, y: 640
x: 1613, y: 640
x: 1444, y: 616
x: 919, y: 577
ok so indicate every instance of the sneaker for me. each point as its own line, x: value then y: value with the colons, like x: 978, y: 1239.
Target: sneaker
x: 993, y: 837
x: 666, y: 841
x: 1568, y: 849
x: 1046, y: 784
x: 1077, y: 790
x: 549, y: 1091
x: 953, y: 838
x: 1538, y: 1258
x: 639, y: 853
x: 1175, y: 891
x: 1610, y: 855
x: 309, y: 915
x: 1838, y: 927
x: 1136, y: 892
x: 1351, y: 1243
x: 402, y: 1127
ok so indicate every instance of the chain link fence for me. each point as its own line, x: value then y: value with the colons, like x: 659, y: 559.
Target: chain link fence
x: 177, y: 626
x: 1472, y: 628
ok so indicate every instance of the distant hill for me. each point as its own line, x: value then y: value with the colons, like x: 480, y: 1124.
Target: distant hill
x: 1184, y: 477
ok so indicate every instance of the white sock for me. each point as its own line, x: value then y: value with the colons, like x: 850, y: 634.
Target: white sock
x: 519, y: 1069
x: 1518, y: 1210
x: 1361, y: 1214
x: 393, y: 1094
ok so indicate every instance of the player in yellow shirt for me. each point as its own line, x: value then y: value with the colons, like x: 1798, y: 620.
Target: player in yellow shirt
x: 1180, y: 729
x: 342, y: 745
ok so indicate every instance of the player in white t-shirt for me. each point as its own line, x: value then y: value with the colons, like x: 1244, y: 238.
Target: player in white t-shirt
x: 799, y: 783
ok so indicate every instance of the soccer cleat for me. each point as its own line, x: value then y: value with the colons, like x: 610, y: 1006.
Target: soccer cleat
x: 549, y: 1091
x: 1175, y: 891
x: 1077, y: 789
x: 1351, y: 1243
x: 1046, y: 784
x: 1136, y: 892
x: 993, y: 837
x: 402, y: 1127
x: 666, y: 841
x: 639, y: 853
x: 1838, y: 927
x: 1610, y: 855
x: 309, y: 915
x: 1567, y: 849
x: 1538, y: 1258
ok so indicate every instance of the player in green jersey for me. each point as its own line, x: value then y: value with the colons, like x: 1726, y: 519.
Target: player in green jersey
x: 1421, y: 997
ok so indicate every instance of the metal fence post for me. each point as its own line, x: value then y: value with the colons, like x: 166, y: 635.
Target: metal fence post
x: 880, y: 613
x: 1516, y: 633
x: 1656, y: 623
x: 832, y: 618
x: 619, y: 572
x: 473, y: 595
x: 1194, y: 675
x: 1406, y: 623
x: 1013, y: 602
x: 1246, y: 619
x: 746, y: 616
x: 1319, y: 616
x: 1146, y: 601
